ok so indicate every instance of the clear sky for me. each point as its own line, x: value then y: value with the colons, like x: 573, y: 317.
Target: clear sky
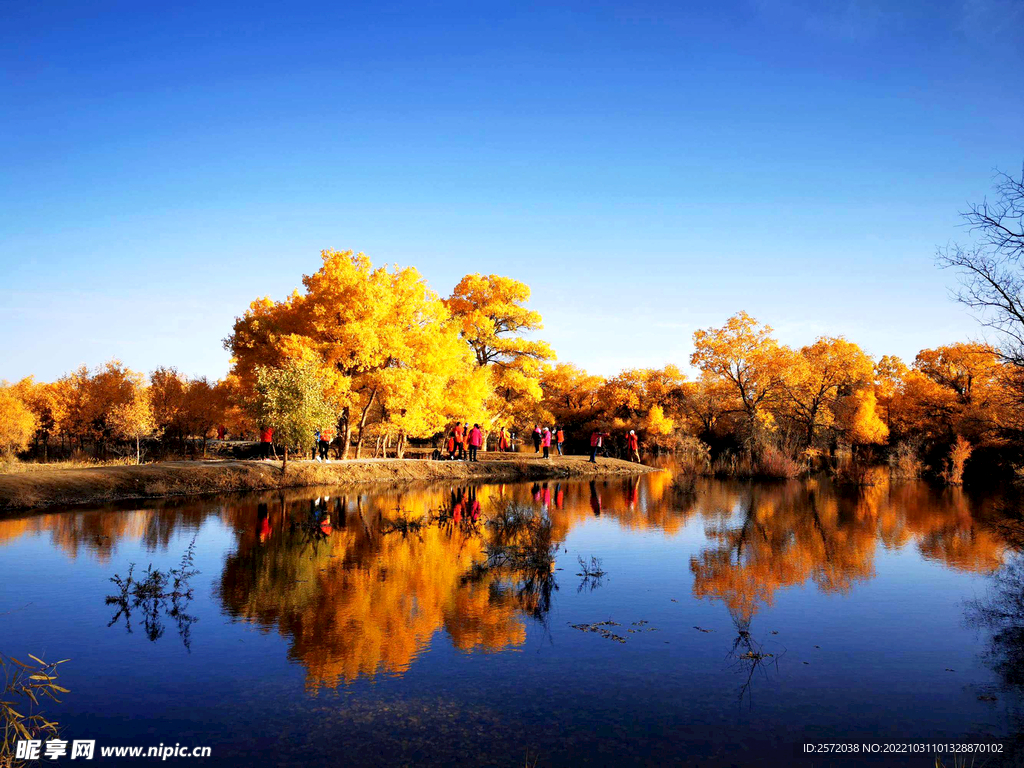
x: 647, y: 167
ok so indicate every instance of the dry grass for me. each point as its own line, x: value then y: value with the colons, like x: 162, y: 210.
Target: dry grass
x: 905, y: 461
x: 14, y: 467
x: 95, y: 485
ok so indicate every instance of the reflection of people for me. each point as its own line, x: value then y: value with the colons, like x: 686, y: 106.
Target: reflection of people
x: 458, y: 504
x: 262, y: 522
x: 633, y: 445
x: 631, y: 492
x: 595, y: 499
x: 559, y: 496
x: 596, y: 442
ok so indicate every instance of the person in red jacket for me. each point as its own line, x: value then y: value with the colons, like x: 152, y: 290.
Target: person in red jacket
x: 476, y: 439
x: 502, y: 441
x: 559, y: 440
x: 633, y: 445
x: 266, y: 442
x: 545, y: 442
x: 460, y: 441
x: 450, y: 445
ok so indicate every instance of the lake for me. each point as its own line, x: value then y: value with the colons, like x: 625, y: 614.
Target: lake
x: 446, y: 625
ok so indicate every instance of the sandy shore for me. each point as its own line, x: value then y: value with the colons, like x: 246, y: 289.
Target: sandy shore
x: 96, y: 485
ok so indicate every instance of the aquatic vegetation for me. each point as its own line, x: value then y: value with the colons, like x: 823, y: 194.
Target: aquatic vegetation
x: 166, y: 592
x: 601, y: 628
x: 591, y: 572
x: 24, y: 684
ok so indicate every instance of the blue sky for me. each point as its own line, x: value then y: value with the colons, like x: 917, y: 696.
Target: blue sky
x: 648, y: 168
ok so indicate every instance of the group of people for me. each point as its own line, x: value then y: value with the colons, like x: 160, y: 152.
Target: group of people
x: 463, y: 443
x: 544, y: 436
x: 322, y: 443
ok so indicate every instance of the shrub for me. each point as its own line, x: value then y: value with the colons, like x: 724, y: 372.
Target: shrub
x: 904, y: 461
x: 693, y: 456
x: 774, y: 463
x: 959, y: 453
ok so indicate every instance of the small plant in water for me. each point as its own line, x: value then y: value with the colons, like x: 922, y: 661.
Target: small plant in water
x: 591, y: 572
x: 23, y: 686
x: 159, y: 592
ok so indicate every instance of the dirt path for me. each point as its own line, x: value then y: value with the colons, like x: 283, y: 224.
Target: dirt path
x: 48, y: 487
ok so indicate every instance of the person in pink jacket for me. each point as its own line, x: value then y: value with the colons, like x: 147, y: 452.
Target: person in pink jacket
x: 545, y: 442
x: 476, y: 439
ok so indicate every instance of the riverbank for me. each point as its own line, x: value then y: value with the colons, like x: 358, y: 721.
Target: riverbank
x: 44, y: 487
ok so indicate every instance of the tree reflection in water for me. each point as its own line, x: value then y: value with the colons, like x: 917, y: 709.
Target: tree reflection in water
x: 367, y: 598
x: 359, y: 584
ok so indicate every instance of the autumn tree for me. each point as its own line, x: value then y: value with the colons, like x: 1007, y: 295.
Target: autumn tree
x: 186, y: 407
x: 819, y: 376
x: 18, y: 423
x: 743, y: 353
x: 383, y: 341
x: 571, y: 396
x: 640, y: 398
x: 294, y: 400
x: 707, y: 405
x: 132, y: 418
x: 494, y: 322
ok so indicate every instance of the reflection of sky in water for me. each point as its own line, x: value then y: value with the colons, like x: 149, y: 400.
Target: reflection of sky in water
x: 342, y: 640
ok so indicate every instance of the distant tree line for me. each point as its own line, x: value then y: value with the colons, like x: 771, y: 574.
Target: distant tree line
x: 371, y: 355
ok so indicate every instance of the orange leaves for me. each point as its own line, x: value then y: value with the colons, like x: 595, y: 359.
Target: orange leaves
x: 18, y: 423
x: 491, y: 318
x: 745, y: 353
x: 380, y: 337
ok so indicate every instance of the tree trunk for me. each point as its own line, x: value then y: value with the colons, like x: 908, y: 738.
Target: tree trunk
x: 346, y: 434
x: 284, y: 464
x: 400, y: 446
x: 138, y: 451
x: 362, y: 423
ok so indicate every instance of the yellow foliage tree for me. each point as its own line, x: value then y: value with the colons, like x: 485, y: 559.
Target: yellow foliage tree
x: 819, y: 375
x: 493, y: 321
x: 743, y: 353
x: 133, y: 418
x: 384, y: 341
x: 17, y: 422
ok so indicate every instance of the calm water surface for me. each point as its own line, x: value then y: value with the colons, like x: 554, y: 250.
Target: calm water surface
x: 326, y: 627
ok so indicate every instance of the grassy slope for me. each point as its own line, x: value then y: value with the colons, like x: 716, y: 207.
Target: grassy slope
x: 45, y: 487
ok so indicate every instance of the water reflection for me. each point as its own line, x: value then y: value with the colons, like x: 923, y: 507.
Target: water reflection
x: 361, y: 584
